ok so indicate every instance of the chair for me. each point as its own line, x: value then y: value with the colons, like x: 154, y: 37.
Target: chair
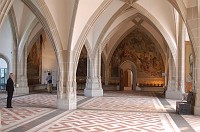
x: 184, y: 107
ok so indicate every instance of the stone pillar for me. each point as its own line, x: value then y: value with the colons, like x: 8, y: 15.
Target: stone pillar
x: 66, y: 92
x: 93, y: 83
x: 181, y: 57
x: 172, y: 88
x: 21, y: 80
x: 196, y: 86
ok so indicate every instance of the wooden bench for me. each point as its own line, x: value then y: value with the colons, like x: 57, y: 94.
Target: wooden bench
x: 184, y: 107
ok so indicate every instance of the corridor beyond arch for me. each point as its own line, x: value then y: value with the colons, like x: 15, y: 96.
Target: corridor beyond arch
x: 125, y: 67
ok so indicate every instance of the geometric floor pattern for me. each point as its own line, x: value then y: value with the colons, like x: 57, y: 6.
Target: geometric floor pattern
x: 44, y: 100
x: 114, y: 112
x: 105, y: 121
x: 12, y: 118
x: 150, y: 104
x: 194, y: 121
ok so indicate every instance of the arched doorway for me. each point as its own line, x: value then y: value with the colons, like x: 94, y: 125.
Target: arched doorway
x: 3, y: 73
x: 128, y: 80
x: 128, y: 76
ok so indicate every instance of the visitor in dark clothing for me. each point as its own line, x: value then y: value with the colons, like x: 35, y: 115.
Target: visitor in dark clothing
x: 10, y: 90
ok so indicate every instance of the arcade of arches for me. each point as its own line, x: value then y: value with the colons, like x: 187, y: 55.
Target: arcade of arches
x: 99, y: 45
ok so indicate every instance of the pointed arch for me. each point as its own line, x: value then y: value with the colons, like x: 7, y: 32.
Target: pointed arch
x: 49, y: 27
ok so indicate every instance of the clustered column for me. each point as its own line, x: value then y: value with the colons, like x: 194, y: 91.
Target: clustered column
x: 93, y: 82
x: 67, y: 83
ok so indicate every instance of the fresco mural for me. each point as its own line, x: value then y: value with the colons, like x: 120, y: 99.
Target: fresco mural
x: 140, y: 49
x: 34, y: 63
x: 82, y: 64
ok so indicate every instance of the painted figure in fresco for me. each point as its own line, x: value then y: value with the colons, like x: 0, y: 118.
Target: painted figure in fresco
x: 10, y: 90
x: 49, y: 82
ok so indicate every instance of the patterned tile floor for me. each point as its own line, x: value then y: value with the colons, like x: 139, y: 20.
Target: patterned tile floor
x: 115, y: 112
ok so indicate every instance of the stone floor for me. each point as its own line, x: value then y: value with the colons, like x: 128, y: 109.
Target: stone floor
x: 114, y: 112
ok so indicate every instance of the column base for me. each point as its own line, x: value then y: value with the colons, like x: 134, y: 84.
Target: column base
x: 19, y: 90
x: 93, y: 92
x: 66, y: 105
x: 196, y: 110
x: 174, y: 95
x: 66, y: 102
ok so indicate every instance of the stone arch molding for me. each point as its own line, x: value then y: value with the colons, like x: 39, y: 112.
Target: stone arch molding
x: 177, y: 4
x: 121, y: 25
x: 46, y: 20
x: 130, y: 62
x: 4, y: 9
x: 169, y: 41
x: 8, y: 3
x: 44, y: 17
x: 25, y: 38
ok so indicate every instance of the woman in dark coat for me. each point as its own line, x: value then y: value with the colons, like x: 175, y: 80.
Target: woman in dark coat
x: 10, y: 90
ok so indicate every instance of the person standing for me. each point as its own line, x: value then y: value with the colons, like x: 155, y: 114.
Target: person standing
x: 49, y: 82
x: 10, y: 90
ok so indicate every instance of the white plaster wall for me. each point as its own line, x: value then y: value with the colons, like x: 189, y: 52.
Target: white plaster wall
x: 163, y: 12
x: 6, y: 42
x: 3, y: 63
x: 49, y: 62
